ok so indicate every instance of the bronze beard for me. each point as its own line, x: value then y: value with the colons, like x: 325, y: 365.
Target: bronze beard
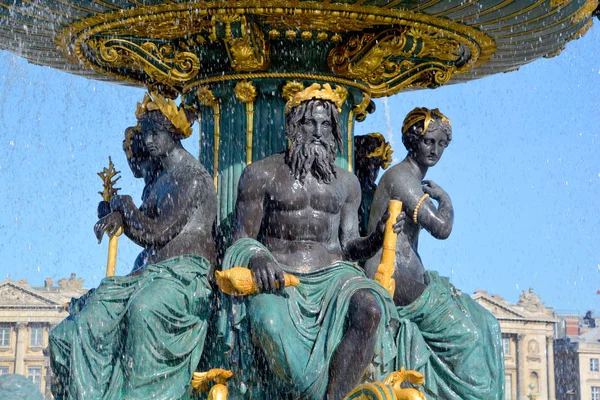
x: 304, y: 157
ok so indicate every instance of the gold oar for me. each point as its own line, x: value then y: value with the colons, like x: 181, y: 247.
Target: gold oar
x: 386, y: 267
x: 107, y: 175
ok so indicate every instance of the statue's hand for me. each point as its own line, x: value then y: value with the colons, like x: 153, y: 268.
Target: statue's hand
x: 267, y: 273
x: 103, y: 209
x: 433, y: 190
x: 109, y: 224
x: 380, y: 228
x: 399, y: 224
x: 121, y: 203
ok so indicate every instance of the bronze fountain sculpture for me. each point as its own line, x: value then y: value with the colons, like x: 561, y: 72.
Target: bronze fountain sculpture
x: 302, y: 320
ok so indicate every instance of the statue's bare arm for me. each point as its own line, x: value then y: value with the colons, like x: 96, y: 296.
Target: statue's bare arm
x: 152, y: 232
x: 438, y: 221
x: 248, y: 218
x: 355, y: 247
x: 249, y: 204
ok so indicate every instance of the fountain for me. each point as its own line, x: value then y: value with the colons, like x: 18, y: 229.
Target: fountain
x: 235, y: 64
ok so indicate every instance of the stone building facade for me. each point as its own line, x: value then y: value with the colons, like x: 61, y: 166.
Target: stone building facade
x: 528, y: 342
x: 578, y: 358
x: 27, y: 314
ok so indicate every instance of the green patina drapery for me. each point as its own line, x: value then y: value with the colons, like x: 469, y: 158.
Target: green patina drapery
x: 298, y: 330
x: 135, y: 337
x: 280, y: 345
x: 453, y: 341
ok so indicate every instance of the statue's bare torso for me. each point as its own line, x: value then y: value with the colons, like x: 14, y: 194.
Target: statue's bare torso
x: 185, y: 190
x: 300, y: 223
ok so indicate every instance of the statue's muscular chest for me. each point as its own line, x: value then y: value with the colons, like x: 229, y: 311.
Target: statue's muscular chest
x: 284, y: 193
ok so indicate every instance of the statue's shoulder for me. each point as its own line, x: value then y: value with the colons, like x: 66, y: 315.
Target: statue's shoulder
x: 265, y: 167
x: 347, y: 178
x: 191, y: 168
x: 261, y: 172
x: 397, y: 181
x: 398, y: 172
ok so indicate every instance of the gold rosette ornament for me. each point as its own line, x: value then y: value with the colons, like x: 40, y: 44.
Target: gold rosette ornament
x: 239, y: 281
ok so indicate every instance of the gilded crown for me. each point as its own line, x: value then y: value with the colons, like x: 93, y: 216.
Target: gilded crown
x: 422, y: 114
x: 383, y: 151
x: 315, y: 91
x: 156, y: 102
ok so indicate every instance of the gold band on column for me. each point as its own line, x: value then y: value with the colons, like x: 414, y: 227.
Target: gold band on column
x: 350, y: 141
x: 246, y: 93
x: 207, y: 98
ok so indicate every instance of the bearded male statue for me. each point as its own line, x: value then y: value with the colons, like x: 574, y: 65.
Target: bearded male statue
x: 443, y: 334
x: 317, y: 339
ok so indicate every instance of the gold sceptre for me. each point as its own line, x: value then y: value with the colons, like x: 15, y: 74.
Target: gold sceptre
x: 239, y: 281
x: 385, y: 270
x: 109, y: 178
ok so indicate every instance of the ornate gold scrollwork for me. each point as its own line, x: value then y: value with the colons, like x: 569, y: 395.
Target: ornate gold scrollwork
x: 316, y: 20
x: 246, y: 93
x: 290, y: 89
x: 398, y: 58
x: 207, y: 98
x: 162, y: 63
x: 176, y: 27
x: 360, y: 110
x: 250, y: 51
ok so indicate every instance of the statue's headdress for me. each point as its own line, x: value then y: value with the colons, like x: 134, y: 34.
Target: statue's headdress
x: 156, y: 102
x: 314, y: 91
x: 383, y: 151
x: 422, y: 114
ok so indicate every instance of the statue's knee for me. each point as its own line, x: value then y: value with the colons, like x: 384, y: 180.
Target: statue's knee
x: 266, y: 323
x: 365, y: 311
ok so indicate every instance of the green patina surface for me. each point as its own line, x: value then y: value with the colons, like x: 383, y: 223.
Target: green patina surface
x: 280, y: 345
x: 136, y: 337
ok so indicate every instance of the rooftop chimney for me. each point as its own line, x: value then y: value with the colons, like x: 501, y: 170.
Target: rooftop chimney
x: 48, y: 283
x: 23, y: 282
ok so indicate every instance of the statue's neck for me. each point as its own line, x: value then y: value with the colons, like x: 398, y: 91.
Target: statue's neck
x: 174, y: 158
x: 418, y: 169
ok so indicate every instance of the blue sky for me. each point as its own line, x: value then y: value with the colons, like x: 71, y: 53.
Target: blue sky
x: 523, y: 172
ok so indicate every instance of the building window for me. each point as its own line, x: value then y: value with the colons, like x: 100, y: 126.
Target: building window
x: 506, y: 346
x: 35, y: 336
x: 4, y: 335
x: 594, y: 367
x: 595, y: 392
x: 34, y: 374
x: 508, y: 387
x: 3, y: 371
